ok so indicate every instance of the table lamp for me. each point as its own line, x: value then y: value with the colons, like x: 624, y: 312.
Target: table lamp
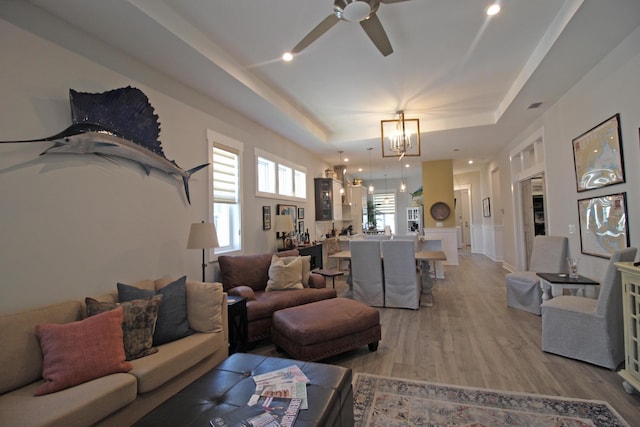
x: 283, y: 224
x: 202, y: 236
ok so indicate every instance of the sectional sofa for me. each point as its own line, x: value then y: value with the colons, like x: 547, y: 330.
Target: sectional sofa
x: 116, y: 399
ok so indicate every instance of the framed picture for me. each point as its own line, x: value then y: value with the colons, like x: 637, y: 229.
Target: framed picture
x: 603, y: 224
x: 486, y: 208
x: 300, y: 226
x: 287, y: 210
x: 300, y: 213
x: 597, y: 156
x: 266, y: 217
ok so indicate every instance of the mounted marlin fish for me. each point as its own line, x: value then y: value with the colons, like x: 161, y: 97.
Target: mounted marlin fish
x: 117, y: 123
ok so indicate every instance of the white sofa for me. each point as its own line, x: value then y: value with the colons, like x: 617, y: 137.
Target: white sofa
x: 116, y: 399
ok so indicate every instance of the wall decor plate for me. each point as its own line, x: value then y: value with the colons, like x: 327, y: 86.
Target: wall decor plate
x: 440, y: 211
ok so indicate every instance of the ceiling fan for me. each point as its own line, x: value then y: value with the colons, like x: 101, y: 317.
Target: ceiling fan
x: 363, y: 11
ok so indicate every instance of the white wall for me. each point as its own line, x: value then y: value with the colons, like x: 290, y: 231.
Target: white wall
x: 74, y: 225
x: 610, y: 87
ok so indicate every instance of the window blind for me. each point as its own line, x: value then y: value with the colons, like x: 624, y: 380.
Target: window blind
x: 225, y: 176
x: 381, y: 206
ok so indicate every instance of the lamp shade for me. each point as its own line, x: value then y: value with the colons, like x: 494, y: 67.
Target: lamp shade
x: 283, y: 224
x: 202, y: 236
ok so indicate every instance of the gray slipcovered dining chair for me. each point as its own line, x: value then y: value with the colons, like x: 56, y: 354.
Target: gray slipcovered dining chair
x: 366, y: 272
x: 587, y: 329
x: 401, y: 278
x: 523, y: 287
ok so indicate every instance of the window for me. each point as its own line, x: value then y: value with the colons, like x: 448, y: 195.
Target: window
x: 279, y: 178
x: 266, y: 176
x: 385, y: 206
x: 226, y: 155
x: 285, y: 181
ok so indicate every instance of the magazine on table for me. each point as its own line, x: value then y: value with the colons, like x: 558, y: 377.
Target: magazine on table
x: 284, y: 410
x: 289, y: 382
x: 245, y: 416
x: 261, y: 411
x: 289, y: 374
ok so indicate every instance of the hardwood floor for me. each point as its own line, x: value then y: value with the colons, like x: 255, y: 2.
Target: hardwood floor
x: 470, y: 337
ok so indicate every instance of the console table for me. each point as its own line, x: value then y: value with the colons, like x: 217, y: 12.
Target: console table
x: 314, y: 251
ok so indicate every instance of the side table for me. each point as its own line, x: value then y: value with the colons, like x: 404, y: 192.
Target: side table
x: 238, y: 324
x: 557, y: 282
x: 329, y: 273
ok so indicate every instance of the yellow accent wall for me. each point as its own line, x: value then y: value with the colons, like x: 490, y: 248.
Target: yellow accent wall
x: 437, y: 186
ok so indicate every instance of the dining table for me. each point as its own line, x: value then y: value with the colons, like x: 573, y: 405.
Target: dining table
x: 424, y: 259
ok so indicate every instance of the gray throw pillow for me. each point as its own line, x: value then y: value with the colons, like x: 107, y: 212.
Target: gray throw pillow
x: 172, y: 321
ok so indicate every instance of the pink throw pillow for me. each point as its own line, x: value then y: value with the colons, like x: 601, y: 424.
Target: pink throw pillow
x: 80, y: 351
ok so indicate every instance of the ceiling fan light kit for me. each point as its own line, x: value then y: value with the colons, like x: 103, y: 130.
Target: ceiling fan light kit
x: 362, y: 11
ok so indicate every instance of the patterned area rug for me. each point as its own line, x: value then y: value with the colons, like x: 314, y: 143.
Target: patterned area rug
x: 386, y: 402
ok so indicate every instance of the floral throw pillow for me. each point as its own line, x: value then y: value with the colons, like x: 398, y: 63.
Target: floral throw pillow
x: 138, y: 324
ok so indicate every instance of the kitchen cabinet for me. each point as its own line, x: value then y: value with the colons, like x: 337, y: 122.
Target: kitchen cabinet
x: 328, y: 200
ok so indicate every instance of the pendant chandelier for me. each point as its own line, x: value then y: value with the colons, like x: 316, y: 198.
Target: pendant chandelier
x: 400, y: 137
x: 370, y: 179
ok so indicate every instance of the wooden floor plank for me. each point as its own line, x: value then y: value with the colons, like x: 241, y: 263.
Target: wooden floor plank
x: 471, y: 338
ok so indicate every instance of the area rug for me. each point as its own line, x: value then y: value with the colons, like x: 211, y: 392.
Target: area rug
x: 393, y: 402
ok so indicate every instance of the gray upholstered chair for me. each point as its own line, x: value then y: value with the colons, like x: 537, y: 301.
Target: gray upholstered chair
x: 587, y: 329
x: 411, y: 237
x: 523, y: 287
x: 401, y: 278
x: 366, y: 272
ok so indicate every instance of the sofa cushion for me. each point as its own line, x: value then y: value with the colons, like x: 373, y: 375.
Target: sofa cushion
x: 21, y: 356
x: 174, y: 358
x: 81, y: 405
x: 80, y: 351
x: 204, y: 310
x: 266, y: 303
x: 139, y: 322
x: 172, y: 323
x: 247, y: 270
x: 285, y: 273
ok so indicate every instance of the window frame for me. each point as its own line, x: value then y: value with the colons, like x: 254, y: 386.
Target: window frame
x: 296, y: 171
x: 223, y: 142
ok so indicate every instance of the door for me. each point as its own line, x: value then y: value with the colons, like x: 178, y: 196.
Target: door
x: 462, y: 210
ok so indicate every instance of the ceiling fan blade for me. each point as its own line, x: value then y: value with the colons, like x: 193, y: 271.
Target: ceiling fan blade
x: 373, y: 27
x: 314, y: 34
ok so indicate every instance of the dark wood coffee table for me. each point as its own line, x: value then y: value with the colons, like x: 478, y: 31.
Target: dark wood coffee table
x: 557, y: 282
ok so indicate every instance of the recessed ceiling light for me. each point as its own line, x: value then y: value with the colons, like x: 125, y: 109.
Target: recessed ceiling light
x: 407, y: 165
x: 493, y: 9
x: 359, y: 169
x: 346, y: 159
x: 287, y: 56
x: 470, y: 162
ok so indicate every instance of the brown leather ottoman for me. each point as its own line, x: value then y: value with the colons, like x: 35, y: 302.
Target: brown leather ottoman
x: 229, y: 386
x: 325, y: 328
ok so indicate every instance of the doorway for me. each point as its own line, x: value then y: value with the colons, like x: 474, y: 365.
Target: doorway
x: 462, y: 197
x: 534, y: 216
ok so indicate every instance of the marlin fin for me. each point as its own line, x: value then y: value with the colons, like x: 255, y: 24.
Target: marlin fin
x: 185, y: 179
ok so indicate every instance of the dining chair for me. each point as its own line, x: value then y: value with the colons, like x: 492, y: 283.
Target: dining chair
x: 401, y: 277
x: 412, y: 237
x: 377, y: 237
x: 366, y: 272
x: 588, y: 329
x: 523, y: 287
